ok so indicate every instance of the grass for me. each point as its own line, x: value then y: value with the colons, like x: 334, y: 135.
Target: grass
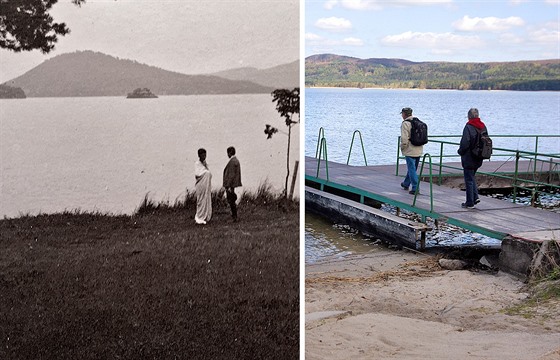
x: 152, y: 285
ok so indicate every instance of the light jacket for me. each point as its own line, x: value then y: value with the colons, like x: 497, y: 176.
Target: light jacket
x: 407, y: 149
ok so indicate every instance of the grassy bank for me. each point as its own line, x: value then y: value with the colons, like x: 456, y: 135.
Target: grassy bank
x: 153, y: 285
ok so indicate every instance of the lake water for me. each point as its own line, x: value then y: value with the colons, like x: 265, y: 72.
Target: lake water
x: 376, y: 113
x: 106, y: 153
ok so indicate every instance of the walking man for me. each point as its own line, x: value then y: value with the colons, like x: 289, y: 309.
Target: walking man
x: 411, y: 152
x: 469, y: 161
x: 232, y: 179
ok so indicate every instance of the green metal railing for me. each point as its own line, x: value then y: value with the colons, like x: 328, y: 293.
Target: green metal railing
x: 552, y: 161
x: 322, y: 150
x: 431, y: 183
x: 352, y: 143
x: 517, y: 181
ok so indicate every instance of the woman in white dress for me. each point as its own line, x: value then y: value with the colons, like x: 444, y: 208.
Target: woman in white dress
x: 203, y: 189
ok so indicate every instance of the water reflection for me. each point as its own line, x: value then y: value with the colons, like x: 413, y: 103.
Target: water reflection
x: 326, y: 240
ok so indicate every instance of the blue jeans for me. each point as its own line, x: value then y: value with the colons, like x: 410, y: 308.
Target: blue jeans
x: 470, y: 186
x: 411, y: 175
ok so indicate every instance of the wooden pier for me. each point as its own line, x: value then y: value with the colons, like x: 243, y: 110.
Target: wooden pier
x: 491, y: 217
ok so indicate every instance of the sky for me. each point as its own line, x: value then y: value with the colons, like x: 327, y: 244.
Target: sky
x: 436, y: 30
x: 186, y: 36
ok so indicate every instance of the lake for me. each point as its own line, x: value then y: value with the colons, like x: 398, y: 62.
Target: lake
x: 376, y: 113
x: 106, y: 153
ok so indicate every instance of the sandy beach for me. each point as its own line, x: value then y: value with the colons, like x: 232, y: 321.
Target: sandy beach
x: 403, y: 305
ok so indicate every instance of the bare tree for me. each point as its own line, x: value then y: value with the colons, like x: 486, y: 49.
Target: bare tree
x: 287, y: 105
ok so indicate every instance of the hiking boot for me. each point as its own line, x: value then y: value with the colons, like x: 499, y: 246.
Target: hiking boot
x: 465, y: 206
x: 404, y: 187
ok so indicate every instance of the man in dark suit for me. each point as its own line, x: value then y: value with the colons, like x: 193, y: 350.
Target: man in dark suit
x: 232, y: 179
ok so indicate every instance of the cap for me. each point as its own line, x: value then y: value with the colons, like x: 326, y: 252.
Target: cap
x: 406, y: 110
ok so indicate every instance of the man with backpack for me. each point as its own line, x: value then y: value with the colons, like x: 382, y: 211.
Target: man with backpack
x: 473, y: 151
x: 414, y: 134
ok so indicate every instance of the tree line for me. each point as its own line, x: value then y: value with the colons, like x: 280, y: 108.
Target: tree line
x: 339, y: 71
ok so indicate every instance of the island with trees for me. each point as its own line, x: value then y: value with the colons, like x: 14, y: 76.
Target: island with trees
x: 10, y: 92
x: 141, y: 93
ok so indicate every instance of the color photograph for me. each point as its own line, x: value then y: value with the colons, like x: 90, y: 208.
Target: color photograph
x: 432, y: 183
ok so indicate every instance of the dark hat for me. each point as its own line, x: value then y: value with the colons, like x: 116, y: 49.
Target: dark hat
x: 406, y: 110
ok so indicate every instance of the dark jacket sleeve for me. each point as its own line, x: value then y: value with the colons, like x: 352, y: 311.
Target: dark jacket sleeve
x: 466, y: 143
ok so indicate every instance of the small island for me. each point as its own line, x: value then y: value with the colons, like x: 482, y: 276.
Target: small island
x: 10, y: 92
x: 139, y: 93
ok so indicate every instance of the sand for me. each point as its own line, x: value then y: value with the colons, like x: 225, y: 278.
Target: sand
x: 402, y: 305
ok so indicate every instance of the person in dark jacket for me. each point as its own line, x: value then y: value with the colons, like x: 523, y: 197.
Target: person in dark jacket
x: 232, y: 179
x: 469, y: 161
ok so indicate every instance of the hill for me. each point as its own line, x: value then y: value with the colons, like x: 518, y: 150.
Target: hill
x: 282, y: 76
x: 88, y: 73
x: 343, y: 71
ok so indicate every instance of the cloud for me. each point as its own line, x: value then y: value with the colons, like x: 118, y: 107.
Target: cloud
x: 488, y: 23
x: 380, y: 4
x: 545, y: 36
x: 312, y: 37
x: 510, y: 39
x: 330, y: 4
x: 334, y: 24
x: 353, y: 41
x: 437, y: 42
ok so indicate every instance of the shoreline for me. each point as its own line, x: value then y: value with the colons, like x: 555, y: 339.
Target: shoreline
x: 402, y: 305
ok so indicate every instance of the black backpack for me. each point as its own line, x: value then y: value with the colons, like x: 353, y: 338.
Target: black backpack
x: 418, y: 132
x: 483, y: 147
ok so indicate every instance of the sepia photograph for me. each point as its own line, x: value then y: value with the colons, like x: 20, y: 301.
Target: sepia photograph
x: 150, y: 179
x: 432, y: 183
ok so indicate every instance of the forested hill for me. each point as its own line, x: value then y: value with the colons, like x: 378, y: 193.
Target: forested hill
x: 88, y: 73
x: 329, y: 70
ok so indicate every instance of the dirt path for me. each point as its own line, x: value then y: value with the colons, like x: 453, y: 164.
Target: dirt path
x: 401, y: 305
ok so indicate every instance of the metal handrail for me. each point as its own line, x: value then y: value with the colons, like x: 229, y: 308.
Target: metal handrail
x: 319, y: 137
x: 431, y: 182
x: 323, y: 146
x: 352, y: 144
x: 516, y: 181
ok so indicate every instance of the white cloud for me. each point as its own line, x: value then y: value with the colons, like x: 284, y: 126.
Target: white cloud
x: 330, y: 4
x: 380, y: 4
x: 437, y: 42
x: 488, y: 23
x: 510, y: 39
x: 353, y: 41
x: 545, y: 36
x: 553, y: 2
x: 312, y: 37
x: 334, y: 24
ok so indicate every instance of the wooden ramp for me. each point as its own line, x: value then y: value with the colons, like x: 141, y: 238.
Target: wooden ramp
x: 491, y: 217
